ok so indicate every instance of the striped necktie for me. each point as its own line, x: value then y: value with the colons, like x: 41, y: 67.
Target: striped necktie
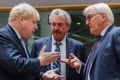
x: 91, y: 58
x: 57, y: 63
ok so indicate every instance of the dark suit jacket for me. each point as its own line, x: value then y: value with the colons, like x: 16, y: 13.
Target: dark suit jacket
x: 14, y: 64
x: 106, y: 64
x: 72, y: 46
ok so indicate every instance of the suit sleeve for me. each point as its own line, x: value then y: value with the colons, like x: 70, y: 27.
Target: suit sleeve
x: 12, y: 60
x: 82, y: 58
x: 79, y: 52
x: 83, y: 55
x: 34, y: 50
x: 34, y: 53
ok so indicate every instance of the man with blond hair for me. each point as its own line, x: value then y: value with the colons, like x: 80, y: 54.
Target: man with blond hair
x: 15, y: 61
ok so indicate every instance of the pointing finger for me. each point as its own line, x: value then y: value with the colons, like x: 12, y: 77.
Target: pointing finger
x: 72, y: 55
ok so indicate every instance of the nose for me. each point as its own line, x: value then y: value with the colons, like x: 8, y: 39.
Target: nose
x: 56, y: 27
x: 36, y: 26
x: 87, y: 22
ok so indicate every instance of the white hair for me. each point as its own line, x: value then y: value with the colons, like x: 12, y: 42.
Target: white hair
x: 100, y: 8
x: 25, y: 10
x: 60, y: 12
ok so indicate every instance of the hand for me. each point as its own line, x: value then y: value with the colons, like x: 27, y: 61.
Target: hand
x: 51, y: 75
x: 73, y: 61
x: 47, y: 57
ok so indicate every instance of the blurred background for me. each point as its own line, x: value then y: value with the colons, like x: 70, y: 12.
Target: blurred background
x: 78, y: 31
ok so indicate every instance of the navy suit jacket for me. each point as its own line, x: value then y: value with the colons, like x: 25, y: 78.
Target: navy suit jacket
x: 106, y: 64
x: 72, y: 46
x: 14, y: 64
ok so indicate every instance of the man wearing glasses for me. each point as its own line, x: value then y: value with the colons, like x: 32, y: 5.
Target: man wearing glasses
x: 103, y: 62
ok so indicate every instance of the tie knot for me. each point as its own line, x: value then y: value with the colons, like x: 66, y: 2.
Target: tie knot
x: 99, y: 37
x: 57, y: 43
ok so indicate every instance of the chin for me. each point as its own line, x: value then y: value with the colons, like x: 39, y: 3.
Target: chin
x: 27, y: 37
x: 58, y: 39
x: 56, y: 35
x: 92, y: 33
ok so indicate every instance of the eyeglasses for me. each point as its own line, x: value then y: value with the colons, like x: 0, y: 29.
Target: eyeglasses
x: 89, y: 17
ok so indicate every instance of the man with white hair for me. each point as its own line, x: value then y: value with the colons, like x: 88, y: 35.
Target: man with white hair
x: 15, y: 61
x: 103, y: 62
x: 60, y: 22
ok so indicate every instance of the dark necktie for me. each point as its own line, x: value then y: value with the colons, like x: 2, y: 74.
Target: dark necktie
x: 57, y: 63
x: 91, y: 58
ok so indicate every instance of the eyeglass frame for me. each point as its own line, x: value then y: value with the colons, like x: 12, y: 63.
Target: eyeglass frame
x: 90, y: 17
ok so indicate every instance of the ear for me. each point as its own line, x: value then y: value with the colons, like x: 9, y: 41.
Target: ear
x: 21, y: 19
x: 104, y: 17
x: 68, y: 27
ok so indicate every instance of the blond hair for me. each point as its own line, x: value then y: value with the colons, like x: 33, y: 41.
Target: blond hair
x: 25, y: 10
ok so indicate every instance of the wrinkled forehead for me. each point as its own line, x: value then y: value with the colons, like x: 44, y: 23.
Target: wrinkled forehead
x: 58, y: 18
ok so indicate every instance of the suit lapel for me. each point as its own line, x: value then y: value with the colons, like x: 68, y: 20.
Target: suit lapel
x: 101, y: 42
x: 68, y: 51
x: 48, y: 42
x: 68, y: 45
x: 99, y: 47
x: 16, y: 40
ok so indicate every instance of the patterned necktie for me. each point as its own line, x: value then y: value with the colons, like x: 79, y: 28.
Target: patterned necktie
x: 57, y: 63
x: 91, y: 58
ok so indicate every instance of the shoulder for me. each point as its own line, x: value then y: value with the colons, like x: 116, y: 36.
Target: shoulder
x: 115, y: 31
x: 42, y: 39
x: 75, y: 42
x: 5, y: 32
x: 112, y: 34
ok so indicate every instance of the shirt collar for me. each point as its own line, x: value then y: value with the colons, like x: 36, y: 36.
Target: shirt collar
x: 104, y: 30
x: 16, y: 32
x: 63, y: 41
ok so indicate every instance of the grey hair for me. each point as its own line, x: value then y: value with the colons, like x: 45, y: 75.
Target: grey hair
x: 25, y: 10
x: 100, y: 8
x: 60, y: 12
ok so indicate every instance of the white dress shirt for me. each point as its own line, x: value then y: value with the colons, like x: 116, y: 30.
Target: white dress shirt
x: 63, y: 54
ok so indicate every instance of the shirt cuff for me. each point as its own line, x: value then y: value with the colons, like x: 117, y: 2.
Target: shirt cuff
x: 79, y: 69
